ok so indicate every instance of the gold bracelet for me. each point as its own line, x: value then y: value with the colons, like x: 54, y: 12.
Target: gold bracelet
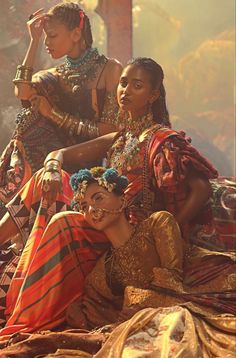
x: 63, y: 122
x: 52, y: 166
x: 57, y: 116
x: 92, y: 131
x: 68, y: 123
x: 55, y: 156
x: 23, y: 74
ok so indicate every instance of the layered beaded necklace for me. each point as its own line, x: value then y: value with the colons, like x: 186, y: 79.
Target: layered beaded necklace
x: 127, y: 146
x: 76, y: 72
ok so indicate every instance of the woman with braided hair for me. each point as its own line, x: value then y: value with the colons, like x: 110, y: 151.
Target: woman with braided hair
x: 62, y: 106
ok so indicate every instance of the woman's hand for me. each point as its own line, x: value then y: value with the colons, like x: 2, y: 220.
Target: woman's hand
x: 199, y: 193
x: 41, y: 104
x: 35, y: 24
x: 51, y: 186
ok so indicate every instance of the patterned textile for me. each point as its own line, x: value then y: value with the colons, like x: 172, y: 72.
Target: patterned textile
x: 69, y: 343
x: 172, y: 332
x: 35, y: 136
x: 54, y: 268
x: 26, y: 209
x: 220, y: 233
x: 47, y: 266
x: 8, y: 264
x: 180, y: 331
x: 157, y: 172
x: 157, y: 238
x: 123, y: 283
x: 30, y: 214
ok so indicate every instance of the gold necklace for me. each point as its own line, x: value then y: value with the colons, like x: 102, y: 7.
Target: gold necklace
x: 136, y: 127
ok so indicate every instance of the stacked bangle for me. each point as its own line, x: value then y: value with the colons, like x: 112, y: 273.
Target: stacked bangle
x: 74, y: 126
x: 23, y: 74
x: 57, y: 116
x: 52, y: 165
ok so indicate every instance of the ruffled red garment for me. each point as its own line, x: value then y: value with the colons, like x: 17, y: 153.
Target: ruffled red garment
x: 170, y: 164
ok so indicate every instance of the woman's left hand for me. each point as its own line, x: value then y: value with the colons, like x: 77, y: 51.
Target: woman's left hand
x: 41, y: 104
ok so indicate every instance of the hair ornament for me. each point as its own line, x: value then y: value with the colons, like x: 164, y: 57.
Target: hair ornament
x: 107, y: 178
x: 81, y: 15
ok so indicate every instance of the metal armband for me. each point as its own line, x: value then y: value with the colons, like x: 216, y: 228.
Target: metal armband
x: 23, y: 74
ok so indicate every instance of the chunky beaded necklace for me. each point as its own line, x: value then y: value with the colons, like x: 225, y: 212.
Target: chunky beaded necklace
x: 76, y: 72
x: 127, y: 146
x: 81, y: 60
x: 136, y: 127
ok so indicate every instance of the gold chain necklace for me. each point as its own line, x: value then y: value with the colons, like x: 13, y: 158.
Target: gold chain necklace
x: 136, y: 127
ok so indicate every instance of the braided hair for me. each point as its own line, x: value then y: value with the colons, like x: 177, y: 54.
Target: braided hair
x: 156, y: 74
x: 71, y: 15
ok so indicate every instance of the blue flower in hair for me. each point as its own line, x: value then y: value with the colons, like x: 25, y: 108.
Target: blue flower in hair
x: 110, y: 175
x: 77, y: 178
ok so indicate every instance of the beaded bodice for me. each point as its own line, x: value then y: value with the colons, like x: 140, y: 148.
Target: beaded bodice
x: 128, y: 156
x: 126, y: 265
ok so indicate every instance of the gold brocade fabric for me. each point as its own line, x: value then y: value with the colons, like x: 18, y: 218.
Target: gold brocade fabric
x: 130, y: 265
x: 179, y: 331
x: 147, y: 271
x: 156, y: 242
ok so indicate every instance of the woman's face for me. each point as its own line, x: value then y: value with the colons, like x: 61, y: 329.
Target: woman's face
x: 97, y: 198
x: 59, y: 40
x: 135, y: 92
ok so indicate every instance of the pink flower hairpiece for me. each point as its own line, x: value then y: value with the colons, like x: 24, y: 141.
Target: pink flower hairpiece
x: 81, y: 15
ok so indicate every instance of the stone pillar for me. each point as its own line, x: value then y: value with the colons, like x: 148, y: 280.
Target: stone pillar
x: 117, y: 16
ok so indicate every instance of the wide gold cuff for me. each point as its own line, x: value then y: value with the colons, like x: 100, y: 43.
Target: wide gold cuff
x: 55, y: 157
x: 23, y: 74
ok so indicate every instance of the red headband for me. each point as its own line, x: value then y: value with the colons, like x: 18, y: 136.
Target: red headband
x: 81, y: 15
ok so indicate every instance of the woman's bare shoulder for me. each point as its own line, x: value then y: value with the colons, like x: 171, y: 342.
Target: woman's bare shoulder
x: 113, y: 64
x: 112, y: 73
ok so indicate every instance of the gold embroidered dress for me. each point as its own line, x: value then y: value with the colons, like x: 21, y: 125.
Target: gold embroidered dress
x: 149, y: 270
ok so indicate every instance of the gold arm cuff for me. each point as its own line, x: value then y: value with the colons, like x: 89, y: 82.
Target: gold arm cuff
x: 56, y: 156
x: 23, y: 74
x: 57, y: 116
x: 52, y: 166
x: 15, y: 81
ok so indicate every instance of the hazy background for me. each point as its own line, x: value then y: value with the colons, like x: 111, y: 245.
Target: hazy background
x: 193, y: 40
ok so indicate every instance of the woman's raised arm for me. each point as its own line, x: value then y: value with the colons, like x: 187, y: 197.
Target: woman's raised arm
x: 22, y: 81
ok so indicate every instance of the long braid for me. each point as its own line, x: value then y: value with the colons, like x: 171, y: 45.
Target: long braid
x: 156, y: 74
x: 70, y: 15
x: 159, y: 108
x: 87, y: 33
